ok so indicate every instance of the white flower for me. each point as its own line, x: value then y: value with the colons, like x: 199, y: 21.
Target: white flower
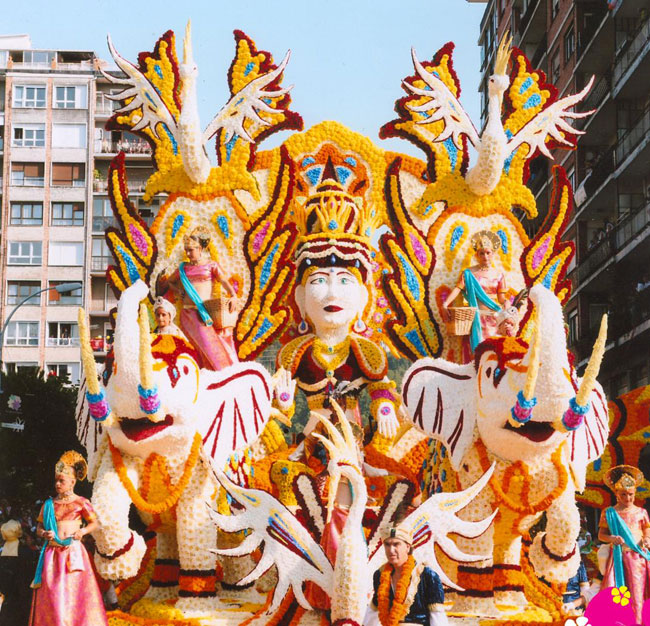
x: 14, y: 403
x: 579, y: 621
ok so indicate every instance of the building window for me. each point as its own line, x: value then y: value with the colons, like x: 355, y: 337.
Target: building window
x: 569, y: 44
x: 101, y: 255
x: 69, y: 371
x: 572, y: 178
x: 68, y: 135
x: 573, y: 327
x: 29, y: 96
x: 67, y: 253
x: 23, y: 366
x: 28, y: 174
x: 26, y: 213
x: 18, y: 290
x: 25, y: 253
x: 102, y: 215
x: 67, y: 214
x: 555, y: 66
x: 71, y: 97
x: 37, y: 57
x: 68, y: 174
x: 71, y: 298
x: 21, y: 334
x: 62, y: 334
x: 555, y: 7
x: 29, y: 136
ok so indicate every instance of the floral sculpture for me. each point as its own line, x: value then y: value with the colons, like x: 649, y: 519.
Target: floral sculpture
x: 171, y: 437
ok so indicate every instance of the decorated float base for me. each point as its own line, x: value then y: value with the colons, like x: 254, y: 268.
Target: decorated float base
x: 248, y: 608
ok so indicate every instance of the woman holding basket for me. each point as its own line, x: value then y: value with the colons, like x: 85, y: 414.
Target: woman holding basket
x: 481, y: 285
x: 195, y: 281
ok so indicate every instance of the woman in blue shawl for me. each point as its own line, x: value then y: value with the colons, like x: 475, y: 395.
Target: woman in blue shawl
x: 627, y: 528
x: 481, y: 285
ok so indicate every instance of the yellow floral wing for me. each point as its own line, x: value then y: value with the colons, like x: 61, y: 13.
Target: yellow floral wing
x: 255, y: 83
x: 441, y: 131
x: 268, y: 245
x: 132, y: 245
x: 413, y: 331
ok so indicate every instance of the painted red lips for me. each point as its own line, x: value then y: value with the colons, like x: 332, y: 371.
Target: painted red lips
x: 137, y: 430
x: 332, y: 308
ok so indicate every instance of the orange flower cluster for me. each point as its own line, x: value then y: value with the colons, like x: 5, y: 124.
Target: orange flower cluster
x: 393, y: 615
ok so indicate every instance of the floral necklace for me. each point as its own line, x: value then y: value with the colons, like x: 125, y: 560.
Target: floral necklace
x: 176, y: 490
x: 337, y: 353
x: 405, y: 589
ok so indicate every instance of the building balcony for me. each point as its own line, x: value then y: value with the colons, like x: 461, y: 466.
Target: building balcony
x: 111, y: 148
x: 637, y: 138
x: 99, y: 264
x: 533, y: 20
x: 633, y: 59
x: 616, y: 244
x: 594, y: 99
x: 595, y: 43
x: 134, y: 186
x: 62, y: 341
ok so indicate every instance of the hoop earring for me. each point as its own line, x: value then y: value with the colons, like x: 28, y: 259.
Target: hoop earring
x: 303, y: 327
x: 359, y: 326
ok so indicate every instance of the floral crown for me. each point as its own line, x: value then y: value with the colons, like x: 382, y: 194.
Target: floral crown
x: 485, y: 239
x: 72, y: 464
x: 332, y: 224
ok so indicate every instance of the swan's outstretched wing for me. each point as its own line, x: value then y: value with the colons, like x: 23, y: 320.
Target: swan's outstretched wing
x: 442, y: 104
x: 551, y: 124
x: 432, y: 523
x: 287, y: 543
x: 140, y: 93
x: 246, y: 105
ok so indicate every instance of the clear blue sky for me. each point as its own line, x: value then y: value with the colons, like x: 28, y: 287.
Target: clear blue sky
x: 348, y: 56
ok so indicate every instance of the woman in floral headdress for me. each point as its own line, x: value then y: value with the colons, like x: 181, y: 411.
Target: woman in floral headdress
x: 66, y: 590
x: 626, y: 527
x: 481, y: 285
x: 195, y: 281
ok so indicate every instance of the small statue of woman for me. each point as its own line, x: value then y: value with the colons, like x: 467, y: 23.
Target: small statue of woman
x: 481, y: 285
x: 626, y: 527
x: 66, y: 591
x: 195, y: 281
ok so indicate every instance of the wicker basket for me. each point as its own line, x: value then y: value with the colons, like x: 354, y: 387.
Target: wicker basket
x: 223, y: 311
x: 461, y: 320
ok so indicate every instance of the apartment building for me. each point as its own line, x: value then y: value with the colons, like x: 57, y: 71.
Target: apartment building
x: 571, y: 40
x: 54, y: 157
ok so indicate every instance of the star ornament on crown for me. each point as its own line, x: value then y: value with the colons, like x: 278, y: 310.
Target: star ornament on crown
x: 336, y: 227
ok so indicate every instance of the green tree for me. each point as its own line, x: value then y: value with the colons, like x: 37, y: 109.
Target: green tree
x: 27, y: 460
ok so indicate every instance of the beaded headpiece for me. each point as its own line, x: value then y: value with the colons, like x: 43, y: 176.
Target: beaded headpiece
x: 72, y: 464
x: 485, y: 239
x: 200, y: 235
x: 623, y: 477
x: 334, y: 228
x: 399, y: 532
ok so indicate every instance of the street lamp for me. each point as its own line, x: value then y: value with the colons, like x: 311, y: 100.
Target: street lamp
x: 62, y: 289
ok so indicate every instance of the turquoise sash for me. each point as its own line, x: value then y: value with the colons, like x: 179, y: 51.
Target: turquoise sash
x: 194, y: 295
x: 49, y: 523
x: 618, y: 527
x: 474, y: 294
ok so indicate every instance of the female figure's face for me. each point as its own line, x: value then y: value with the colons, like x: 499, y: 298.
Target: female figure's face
x: 331, y: 298
x: 163, y: 318
x: 625, y: 497
x: 63, y: 483
x: 484, y: 256
x: 193, y: 250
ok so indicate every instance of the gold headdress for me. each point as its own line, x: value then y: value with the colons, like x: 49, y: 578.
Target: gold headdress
x: 623, y: 477
x: 485, y: 239
x: 200, y: 235
x: 333, y: 226
x: 399, y: 532
x: 72, y: 464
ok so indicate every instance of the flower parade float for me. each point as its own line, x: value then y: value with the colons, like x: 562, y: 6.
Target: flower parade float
x: 344, y: 253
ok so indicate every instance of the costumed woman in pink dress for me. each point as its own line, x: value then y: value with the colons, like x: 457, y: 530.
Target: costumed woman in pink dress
x: 194, y: 280
x: 627, y: 528
x: 483, y: 286
x: 66, y: 591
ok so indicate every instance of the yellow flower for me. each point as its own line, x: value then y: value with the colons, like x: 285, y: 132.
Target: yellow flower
x: 621, y: 595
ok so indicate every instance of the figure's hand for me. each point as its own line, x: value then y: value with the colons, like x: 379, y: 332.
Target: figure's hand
x: 387, y: 422
x: 48, y: 534
x: 78, y: 535
x: 617, y: 541
x: 285, y: 388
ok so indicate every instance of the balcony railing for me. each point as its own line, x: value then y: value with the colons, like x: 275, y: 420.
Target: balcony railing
x: 614, y: 241
x: 129, y: 147
x: 592, y: 26
x: 136, y: 186
x: 633, y: 137
x: 595, y: 98
x: 36, y: 181
x: 600, y: 171
x: 630, y: 53
x: 98, y: 345
x: 100, y: 263
x: 532, y: 7
x: 63, y: 341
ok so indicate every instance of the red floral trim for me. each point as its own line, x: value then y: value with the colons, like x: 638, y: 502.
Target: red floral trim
x: 555, y: 557
x: 123, y: 550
